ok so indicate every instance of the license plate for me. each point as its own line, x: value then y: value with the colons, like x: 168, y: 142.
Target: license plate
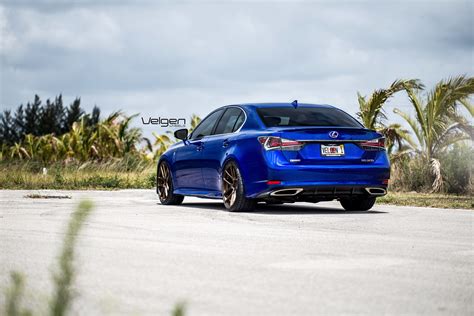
x: 332, y: 150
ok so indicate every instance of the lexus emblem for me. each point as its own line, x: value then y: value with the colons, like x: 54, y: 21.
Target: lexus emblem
x: 333, y: 134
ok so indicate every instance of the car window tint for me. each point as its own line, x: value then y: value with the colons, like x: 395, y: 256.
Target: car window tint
x: 228, y: 120
x: 306, y: 116
x: 239, y: 122
x: 206, y: 126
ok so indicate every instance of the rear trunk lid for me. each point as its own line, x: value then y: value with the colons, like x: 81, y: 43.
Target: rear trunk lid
x: 347, y: 139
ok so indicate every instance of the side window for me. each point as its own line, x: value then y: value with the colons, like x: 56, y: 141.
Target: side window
x: 206, y: 126
x: 239, y: 122
x: 227, y: 122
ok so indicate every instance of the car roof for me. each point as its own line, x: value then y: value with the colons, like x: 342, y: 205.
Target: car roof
x: 282, y: 105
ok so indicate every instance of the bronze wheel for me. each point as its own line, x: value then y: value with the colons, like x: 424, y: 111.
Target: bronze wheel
x: 164, y: 186
x: 233, y: 192
x: 231, y: 184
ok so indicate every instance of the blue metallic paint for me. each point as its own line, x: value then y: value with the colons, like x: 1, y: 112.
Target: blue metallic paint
x: 196, y: 165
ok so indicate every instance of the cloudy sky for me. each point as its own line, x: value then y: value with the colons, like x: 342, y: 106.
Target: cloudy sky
x: 174, y: 58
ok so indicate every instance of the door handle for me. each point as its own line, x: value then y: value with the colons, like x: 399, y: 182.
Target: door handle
x: 199, y: 147
x: 225, y: 144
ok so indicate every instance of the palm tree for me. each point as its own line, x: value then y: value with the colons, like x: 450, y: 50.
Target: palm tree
x: 109, y: 139
x: 437, y: 123
x: 371, y: 112
x: 373, y: 115
x: 161, y: 143
x: 195, y: 120
x: 395, y: 137
x: 114, y: 137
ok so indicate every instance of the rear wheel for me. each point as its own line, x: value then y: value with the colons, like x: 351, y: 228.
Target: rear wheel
x: 360, y: 204
x: 164, y: 186
x: 233, y: 192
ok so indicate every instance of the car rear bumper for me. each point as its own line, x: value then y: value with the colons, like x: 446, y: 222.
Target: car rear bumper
x: 321, y: 193
x: 325, y: 180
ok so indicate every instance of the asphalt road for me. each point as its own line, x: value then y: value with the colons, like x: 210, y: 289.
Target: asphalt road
x: 137, y: 257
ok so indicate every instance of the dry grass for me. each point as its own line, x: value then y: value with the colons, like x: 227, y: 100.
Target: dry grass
x: 428, y: 200
x: 104, y: 176
x: 123, y: 175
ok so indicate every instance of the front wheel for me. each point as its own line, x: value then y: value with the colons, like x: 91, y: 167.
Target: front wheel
x: 359, y: 204
x: 233, y: 192
x: 164, y: 186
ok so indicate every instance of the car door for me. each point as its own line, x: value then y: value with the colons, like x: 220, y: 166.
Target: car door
x: 188, y: 158
x: 216, y: 145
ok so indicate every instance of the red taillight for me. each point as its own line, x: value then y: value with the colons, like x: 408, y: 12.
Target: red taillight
x: 290, y: 143
x: 374, y: 144
x: 271, y: 182
x: 273, y: 142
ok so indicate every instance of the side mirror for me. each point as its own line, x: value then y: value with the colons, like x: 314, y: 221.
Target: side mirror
x: 181, y: 134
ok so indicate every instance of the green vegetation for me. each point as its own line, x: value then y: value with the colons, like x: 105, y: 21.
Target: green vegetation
x: 63, y: 295
x: 14, y: 296
x: 179, y: 310
x: 127, y: 173
x: 110, y: 138
x: 440, y: 158
x: 63, y: 279
x: 428, y: 200
x: 373, y: 116
x: 39, y: 119
x: 438, y: 124
x: 80, y: 151
x: 51, y: 133
x: 413, y: 173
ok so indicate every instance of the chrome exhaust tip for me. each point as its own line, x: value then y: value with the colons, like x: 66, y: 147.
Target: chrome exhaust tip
x: 286, y: 192
x: 376, y: 191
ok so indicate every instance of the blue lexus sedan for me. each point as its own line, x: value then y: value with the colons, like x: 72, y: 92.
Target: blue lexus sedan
x: 276, y: 153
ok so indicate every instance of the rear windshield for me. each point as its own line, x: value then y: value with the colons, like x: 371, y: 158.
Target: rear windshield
x: 305, y: 116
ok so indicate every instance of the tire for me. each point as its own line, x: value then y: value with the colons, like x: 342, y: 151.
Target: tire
x: 360, y: 204
x: 164, y: 186
x: 233, y: 191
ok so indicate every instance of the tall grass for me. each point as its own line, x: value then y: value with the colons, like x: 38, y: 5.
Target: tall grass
x: 125, y: 173
x: 63, y: 279
x: 413, y: 173
x: 63, y: 295
x: 179, y: 309
x: 14, y: 296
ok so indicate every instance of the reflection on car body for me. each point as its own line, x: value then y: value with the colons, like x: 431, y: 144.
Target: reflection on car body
x: 276, y: 153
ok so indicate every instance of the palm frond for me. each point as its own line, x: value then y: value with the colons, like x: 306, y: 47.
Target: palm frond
x: 413, y: 125
x: 419, y: 109
x: 465, y: 102
x: 450, y: 139
x: 435, y: 167
x: 371, y: 111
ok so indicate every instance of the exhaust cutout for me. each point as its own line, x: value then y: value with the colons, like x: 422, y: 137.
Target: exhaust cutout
x: 376, y: 191
x: 286, y: 192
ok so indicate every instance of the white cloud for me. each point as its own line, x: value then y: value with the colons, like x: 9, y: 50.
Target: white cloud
x: 178, y: 58
x: 29, y: 33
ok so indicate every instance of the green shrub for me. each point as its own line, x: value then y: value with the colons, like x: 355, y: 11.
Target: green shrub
x: 412, y: 173
x: 457, y: 169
